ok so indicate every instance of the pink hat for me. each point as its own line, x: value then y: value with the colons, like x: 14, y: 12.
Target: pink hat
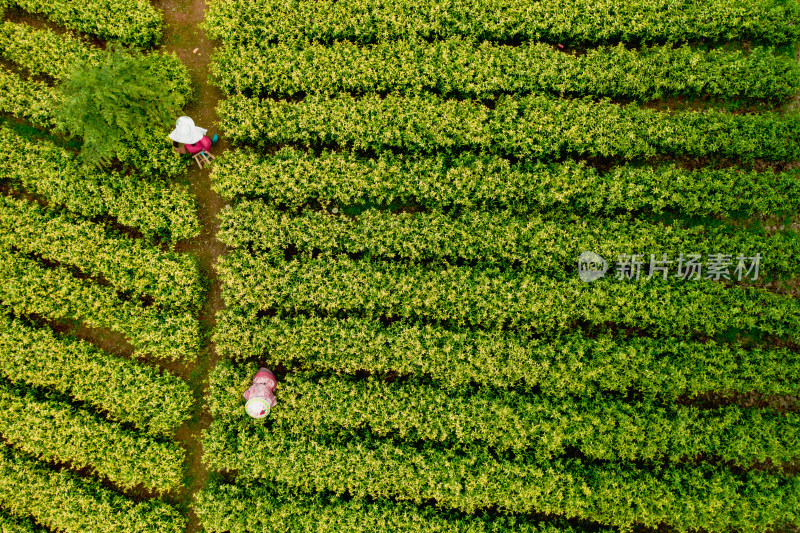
x: 264, y: 373
x: 265, y: 376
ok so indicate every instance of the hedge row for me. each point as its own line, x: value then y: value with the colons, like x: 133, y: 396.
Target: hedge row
x: 16, y: 524
x: 134, y: 22
x: 55, y: 431
x: 457, y: 67
x: 42, y: 51
x: 601, y: 428
x: 294, y: 177
x: 578, y: 22
x: 168, y: 212
x: 531, y: 126
x: 61, y: 501
x: 706, y: 497
x: 29, y: 100
x: 151, y: 400
x: 498, y: 238
x: 173, y: 280
x: 253, y: 508
x: 495, y: 299
x: 563, y: 365
x: 34, y: 101
x: 27, y: 287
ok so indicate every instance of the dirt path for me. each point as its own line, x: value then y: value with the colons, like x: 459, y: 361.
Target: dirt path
x: 182, y: 36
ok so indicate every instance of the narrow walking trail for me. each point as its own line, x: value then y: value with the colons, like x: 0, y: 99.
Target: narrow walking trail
x: 182, y: 36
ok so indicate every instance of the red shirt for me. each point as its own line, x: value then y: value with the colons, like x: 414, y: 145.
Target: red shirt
x: 199, y: 146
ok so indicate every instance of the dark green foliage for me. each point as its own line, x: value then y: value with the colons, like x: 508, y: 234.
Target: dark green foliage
x: 113, y: 102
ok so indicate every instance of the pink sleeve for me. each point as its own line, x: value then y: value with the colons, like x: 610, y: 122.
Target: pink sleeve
x: 194, y: 148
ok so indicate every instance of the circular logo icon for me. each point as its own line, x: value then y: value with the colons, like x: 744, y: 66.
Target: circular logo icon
x: 591, y: 266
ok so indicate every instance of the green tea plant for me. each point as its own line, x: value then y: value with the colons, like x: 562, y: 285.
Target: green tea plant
x: 55, y: 431
x: 14, y: 524
x: 294, y: 177
x: 571, y: 363
x: 154, y: 402
x: 171, y: 279
x: 134, y: 22
x: 158, y: 210
x: 27, y: 287
x: 252, y: 507
x: 493, y: 299
x: 577, y: 22
x: 531, y: 127
x: 470, y: 478
x: 42, y: 51
x: 495, y: 238
x: 60, y: 500
x: 456, y: 67
x: 606, y: 429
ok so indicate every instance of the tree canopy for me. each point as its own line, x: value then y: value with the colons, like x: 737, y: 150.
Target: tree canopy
x: 115, y: 102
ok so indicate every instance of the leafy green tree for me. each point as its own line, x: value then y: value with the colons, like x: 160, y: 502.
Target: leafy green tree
x: 118, y: 101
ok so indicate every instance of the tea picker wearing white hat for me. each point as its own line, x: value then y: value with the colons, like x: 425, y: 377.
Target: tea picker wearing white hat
x: 192, y: 137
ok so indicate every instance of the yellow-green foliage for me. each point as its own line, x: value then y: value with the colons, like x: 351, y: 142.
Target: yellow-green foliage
x: 61, y: 500
x: 159, y: 209
x: 457, y: 67
x: 133, y: 267
x: 141, y: 395
x: 493, y: 298
x: 534, y: 126
x: 134, y: 22
x: 571, y: 22
x: 28, y: 287
x: 55, y: 431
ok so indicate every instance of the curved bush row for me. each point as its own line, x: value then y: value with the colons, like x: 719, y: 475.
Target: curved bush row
x: 578, y: 22
x: 154, y: 401
x: 29, y: 100
x: 496, y: 299
x: 16, y: 524
x: 253, y: 508
x: 456, y: 67
x: 294, y: 178
x: 558, y: 366
x: 134, y: 22
x: 497, y: 238
x: 153, y: 158
x: 62, y: 501
x: 57, y: 432
x: 601, y: 428
x: 530, y: 126
x: 42, y: 51
x: 27, y: 288
x: 172, y: 279
x: 166, y: 211
x: 34, y: 101
x: 468, y: 479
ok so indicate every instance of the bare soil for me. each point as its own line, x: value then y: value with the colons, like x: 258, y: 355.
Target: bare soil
x: 182, y: 36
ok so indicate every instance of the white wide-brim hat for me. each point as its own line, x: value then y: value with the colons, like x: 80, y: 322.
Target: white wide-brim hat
x: 186, y: 132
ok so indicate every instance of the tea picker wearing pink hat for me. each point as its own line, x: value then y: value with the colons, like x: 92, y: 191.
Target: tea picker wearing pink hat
x: 193, y: 138
x: 261, y: 394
